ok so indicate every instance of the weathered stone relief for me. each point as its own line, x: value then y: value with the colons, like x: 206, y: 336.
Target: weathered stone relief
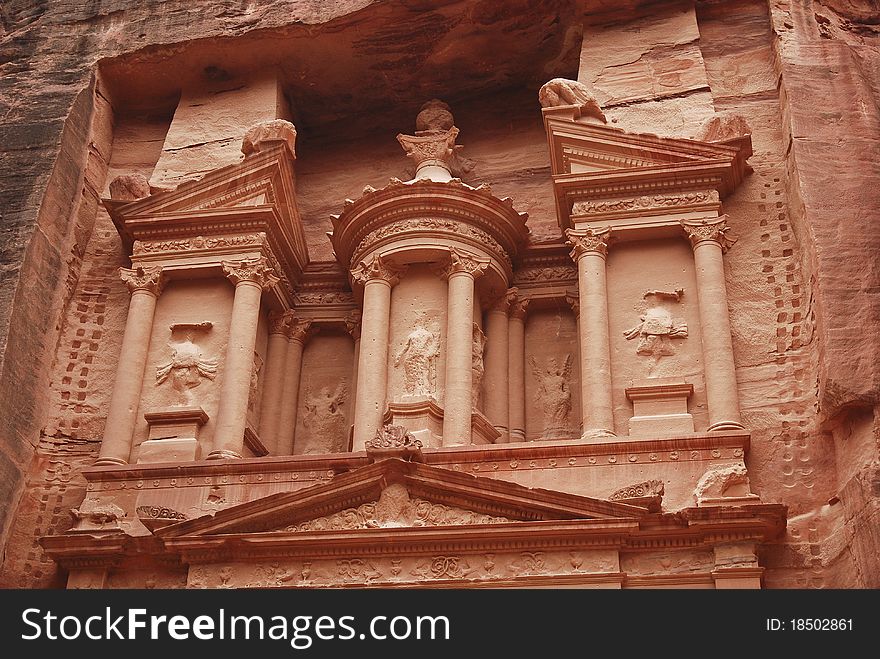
x: 657, y: 327
x: 649, y: 488
x: 723, y: 482
x: 254, y: 391
x: 600, y: 206
x: 554, y: 395
x: 188, y: 366
x: 324, y: 419
x: 418, y: 357
x: 97, y: 517
x: 560, y: 91
x: 395, y: 508
x: 477, y: 366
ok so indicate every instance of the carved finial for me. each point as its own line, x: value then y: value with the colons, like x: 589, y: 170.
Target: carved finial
x: 433, y: 146
x: 268, y: 133
x: 462, y: 262
x: 588, y: 241
x: 143, y: 278
x: 377, y: 268
x: 434, y: 116
x: 256, y: 270
x: 561, y: 92
x: 714, y: 230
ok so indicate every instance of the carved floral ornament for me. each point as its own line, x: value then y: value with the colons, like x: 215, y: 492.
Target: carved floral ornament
x: 588, y: 241
x: 600, y: 206
x: 377, y: 268
x: 461, y: 262
x: 143, y: 278
x: 714, y: 230
x: 255, y: 270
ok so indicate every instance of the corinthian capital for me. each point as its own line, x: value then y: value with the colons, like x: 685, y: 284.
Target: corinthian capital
x: 299, y: 330
x: 462, y: 262
x: 377, y: 268
x: 588, y: 241
x: 519, y: 306
x: 143, y: 278
x: 256, y: 270
x: 279, y: 322
x: 714, y: 230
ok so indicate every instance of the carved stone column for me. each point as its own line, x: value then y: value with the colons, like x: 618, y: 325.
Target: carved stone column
x: 145, y: 284
x: 353, y: 325
x: 462, y: 271
x: 710, y: 242
x: 497, y: 366
x: 298, y: 332
x: 377, y: 277
x: 276, y: 360
x: 516, y: 344
x: 589, y: 249
x: 251, y: 277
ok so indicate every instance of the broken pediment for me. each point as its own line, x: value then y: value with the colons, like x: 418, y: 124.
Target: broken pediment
x: 251, y: 201
x: 394, y: 493
x: 592, y: 161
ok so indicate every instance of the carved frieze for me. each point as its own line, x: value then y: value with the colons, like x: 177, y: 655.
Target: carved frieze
x: 197, y: 243
x: 650, y: 488
x: 643, y: 202
x: 325, y: 298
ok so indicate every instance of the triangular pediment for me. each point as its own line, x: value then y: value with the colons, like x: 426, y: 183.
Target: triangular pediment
x: 256, y: 193
x: 395, y: 493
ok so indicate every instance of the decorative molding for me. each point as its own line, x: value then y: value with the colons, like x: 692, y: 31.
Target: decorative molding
x: 143, y: 278
x: 159, y: 512
x: 714, y: 230
x: 643, y: 202
x: 324, y: 298
x: 588, y: 241
x: 255, y: 270
x: 197, y: 243
x: 650, y: 488
x: 378, y: 268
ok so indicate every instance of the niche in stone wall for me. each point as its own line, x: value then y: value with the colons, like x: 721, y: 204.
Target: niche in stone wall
x: 186, y: 354
x: 553, y: 409
x: 326, y: 395
x: 654, y: 323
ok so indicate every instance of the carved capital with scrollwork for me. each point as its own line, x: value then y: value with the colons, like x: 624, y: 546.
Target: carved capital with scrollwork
x: 255, y: 271
x: 461, y: 262
x: 519, y: 306
x: 279, y: 322
x: 588, y: 241
x: 502, y: 303
x: 714, y: 230
x: 378, y: 268
x: 143, y: 278
x: 299, y: 330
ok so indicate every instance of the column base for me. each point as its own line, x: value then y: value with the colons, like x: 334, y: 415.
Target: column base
x: 725, y: 425
x: 592, y: 434
x: 517, y: 436
x: 223, y: 454
x: 110, y: 462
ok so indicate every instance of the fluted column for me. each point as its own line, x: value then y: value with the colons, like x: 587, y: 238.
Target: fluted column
x: 276, y: 360
x: 710, y: 242
x: 497, y: 364
x: 516, y: 351
x: 298, y: 332
x: 461, y: 273
x: 251, y: 277
x: 377, y: 277
x: 144, y: 284
x: 589, y: 249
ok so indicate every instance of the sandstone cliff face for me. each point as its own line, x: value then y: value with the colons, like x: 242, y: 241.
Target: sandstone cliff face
x: 90, y: 92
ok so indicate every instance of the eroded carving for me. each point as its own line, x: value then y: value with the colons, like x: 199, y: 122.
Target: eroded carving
x: 393, y: 437
x: 419, y: 359
x: 723, y: 482
x: 600, y: 206
x: 554, y: 395
x: 657, y: 326
x: 159, y: 512
x: 143, y: 278
x: 275, y: 131
x: 186, y: 369
x: 561, y: 91
x: 324, y: 420
x: 478, y: 346
x: 129, y: 187
x: 256, y: 270
x: 651, y: 488
x: 254, y: 389
x: 434, y: 141
x: 462, y: 262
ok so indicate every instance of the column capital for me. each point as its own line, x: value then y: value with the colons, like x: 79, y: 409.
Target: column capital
x: 519, y: 306
x: 461, y: 262
x: 300, y: 330
x: 256, y: 270
x: 143, y: 278
x: 588, y: 241
x: 353, y: 324
x: 714, y: 230
x: 502, y: 303
x: 279, y: 321
x: 573, y: 300
x: 377, y: 268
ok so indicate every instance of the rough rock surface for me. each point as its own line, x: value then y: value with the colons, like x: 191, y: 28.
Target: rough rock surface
x: 89, y: 92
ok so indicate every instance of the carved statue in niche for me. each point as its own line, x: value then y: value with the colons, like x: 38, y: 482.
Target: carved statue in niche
x: 253, y: 395
x: 324, y: 420
x: 187, y: 365
x: 419, y: 359
x: 657, y: 327
x: 477, y: 368
x: 554, y: 395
